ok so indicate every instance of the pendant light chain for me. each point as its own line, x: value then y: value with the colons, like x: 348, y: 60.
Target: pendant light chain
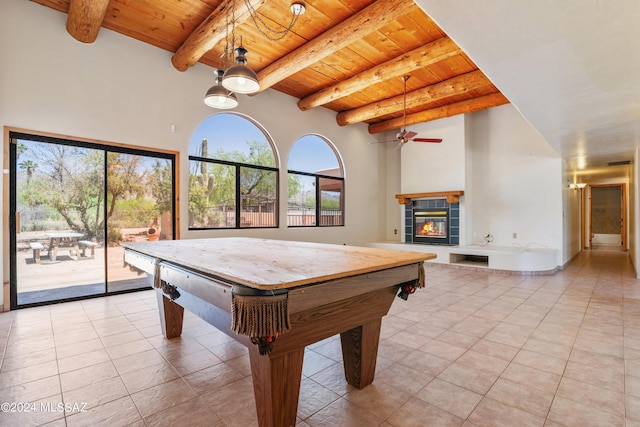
x: 225, y: 54
x: 260, y: 23
x: 229, y: 42
x: 239, y: 78
x: 233, y: 27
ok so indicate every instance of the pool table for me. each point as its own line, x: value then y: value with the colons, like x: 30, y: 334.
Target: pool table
x: 276, y: 297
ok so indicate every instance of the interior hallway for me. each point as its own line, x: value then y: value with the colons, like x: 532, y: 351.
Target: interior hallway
x: 473, y: 348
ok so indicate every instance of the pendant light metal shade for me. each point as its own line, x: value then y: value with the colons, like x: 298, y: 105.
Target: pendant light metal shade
x: 218, y: 96
x: 240, y: 78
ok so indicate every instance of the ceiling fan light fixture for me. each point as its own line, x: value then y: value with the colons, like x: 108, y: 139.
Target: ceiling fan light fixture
x: 403, y: 136
x: 240, y: 78
x: 218, y: 96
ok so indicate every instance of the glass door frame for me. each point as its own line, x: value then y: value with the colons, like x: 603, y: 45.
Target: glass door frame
x: 9, y: 199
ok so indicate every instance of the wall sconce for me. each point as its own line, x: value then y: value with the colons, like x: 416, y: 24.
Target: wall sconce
x: 579, y: 185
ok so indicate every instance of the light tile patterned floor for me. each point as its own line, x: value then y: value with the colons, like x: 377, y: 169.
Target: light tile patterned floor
x: 472, y: 349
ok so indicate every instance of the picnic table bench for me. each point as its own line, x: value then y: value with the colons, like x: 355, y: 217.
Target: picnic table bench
x: 84, y: 244
x: 36, y: 247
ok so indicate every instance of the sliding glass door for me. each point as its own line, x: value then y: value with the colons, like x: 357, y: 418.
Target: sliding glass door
x: 72, y: 204
x: 139, y: 208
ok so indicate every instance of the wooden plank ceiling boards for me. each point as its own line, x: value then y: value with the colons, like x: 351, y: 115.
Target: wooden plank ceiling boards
x: 345, y: 55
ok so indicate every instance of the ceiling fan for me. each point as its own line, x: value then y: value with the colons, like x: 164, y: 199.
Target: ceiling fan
x: 405, y: 136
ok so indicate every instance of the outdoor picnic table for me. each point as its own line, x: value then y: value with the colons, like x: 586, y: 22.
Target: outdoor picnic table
x: 65, y: 241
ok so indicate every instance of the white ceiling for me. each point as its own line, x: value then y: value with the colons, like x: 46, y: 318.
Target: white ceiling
x: 571, y: 67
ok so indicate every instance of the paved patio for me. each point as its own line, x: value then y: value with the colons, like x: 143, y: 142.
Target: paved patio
x: 69, y: 270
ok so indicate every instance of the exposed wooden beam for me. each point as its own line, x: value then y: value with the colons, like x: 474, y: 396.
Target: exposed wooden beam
x: 475, y: 104
x: 421, y: 57
x: 368, y: 20
x: 210, y: 32
x: 453, y: 86
x: 85, y: 19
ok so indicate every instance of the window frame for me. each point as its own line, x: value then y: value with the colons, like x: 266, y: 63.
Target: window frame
x: 238, y: 196
x: 318, y: 193
x: 317, y: 177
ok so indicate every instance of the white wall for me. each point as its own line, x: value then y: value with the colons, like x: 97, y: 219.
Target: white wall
x: 519, y: 175
x: 124, y: 91
x: 394, y: 226
x: 571, y: 215
x: 428, y: 167
x: 510, y: 175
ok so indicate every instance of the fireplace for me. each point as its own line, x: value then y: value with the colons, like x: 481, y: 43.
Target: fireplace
x: 423, y: 211
x: 431, y: 226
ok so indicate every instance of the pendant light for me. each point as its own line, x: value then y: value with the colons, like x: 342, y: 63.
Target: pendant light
x: 240, y: 78
x: 218, y: 96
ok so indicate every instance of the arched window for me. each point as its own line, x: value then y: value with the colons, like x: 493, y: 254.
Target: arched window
x: 233, y: 175
x: 316, y: 184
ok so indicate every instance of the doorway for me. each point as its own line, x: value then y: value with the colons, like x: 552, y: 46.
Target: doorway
x: 71, y: 205
x: 607, y: 225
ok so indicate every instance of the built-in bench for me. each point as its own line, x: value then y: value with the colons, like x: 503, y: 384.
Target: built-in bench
x: 84, y: 244
x: 36, y: 247
x: 515, y: 259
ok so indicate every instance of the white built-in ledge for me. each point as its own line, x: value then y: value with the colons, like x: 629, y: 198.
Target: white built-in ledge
x: 451, y: 196
x: 515, y: 259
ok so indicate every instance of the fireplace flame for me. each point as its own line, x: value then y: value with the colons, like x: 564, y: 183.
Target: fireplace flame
x: 428, y: 228
x: 432, y: 228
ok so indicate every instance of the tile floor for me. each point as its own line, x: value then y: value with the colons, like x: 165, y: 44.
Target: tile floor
x: 472, y: 349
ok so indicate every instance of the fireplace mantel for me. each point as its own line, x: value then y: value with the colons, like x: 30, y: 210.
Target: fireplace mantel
x: 451, y: 196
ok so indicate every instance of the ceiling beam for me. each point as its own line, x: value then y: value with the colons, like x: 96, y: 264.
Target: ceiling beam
x: 421, y: 57
x: 469, y: 106
x: 210, y: 32
x: 368, y: 20
x: 85, y: 19
x: 453, y: 86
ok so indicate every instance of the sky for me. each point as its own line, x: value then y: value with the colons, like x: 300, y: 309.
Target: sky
x: 232, y: 132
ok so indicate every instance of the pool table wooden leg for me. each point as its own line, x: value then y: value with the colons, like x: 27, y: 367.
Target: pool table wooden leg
x: 276, y: 385
x: 359, y: 353
x: 171, y: 315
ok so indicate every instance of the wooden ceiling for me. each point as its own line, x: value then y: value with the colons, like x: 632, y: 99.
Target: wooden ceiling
x: 345, y: 55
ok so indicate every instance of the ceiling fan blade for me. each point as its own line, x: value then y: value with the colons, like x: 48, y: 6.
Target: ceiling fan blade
x: 409, y: 135
x: 427, y: 139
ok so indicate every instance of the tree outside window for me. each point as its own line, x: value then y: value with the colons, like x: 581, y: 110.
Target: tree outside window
x: 65, y: 189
